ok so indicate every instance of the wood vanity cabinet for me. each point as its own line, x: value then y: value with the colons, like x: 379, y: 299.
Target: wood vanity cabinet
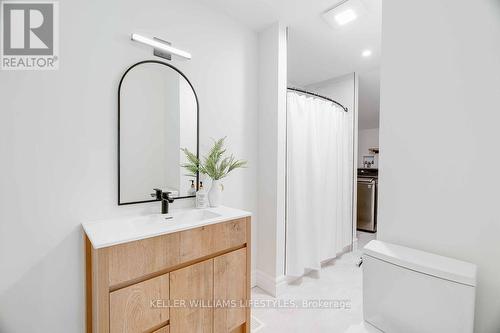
x: 192, y: 281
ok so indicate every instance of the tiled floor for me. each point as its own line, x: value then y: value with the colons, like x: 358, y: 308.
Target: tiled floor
x: 339, y: 280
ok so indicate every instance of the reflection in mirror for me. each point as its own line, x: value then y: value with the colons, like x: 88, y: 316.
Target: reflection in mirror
x: 158, y: 115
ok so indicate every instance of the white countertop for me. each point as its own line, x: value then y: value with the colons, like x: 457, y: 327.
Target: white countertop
x: 108, y: 232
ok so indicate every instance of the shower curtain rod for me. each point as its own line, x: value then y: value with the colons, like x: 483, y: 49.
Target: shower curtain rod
x: 320, y: 96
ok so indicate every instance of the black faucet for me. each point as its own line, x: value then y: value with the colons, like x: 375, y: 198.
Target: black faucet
x: 165, y: 198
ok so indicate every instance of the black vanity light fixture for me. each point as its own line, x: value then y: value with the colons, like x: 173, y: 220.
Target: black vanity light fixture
x: 161, y: 48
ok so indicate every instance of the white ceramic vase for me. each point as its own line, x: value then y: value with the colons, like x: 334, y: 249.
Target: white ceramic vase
x: 215, y: 193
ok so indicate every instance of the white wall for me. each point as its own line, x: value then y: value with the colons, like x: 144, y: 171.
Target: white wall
x: 367, y: 138
x: 440, y: 95
x: 369, y: 99
x: 272, y: 136
x: 340, y: 89
x: 58, y: 142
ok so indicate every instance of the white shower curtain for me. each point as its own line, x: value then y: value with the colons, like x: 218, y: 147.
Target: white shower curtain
x: 319, y: 182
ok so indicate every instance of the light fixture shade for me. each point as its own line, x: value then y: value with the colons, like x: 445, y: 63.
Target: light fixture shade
x: 158, y: 45
x: 345, y: 17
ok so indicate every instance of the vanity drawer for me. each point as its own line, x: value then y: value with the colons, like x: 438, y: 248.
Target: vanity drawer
x: 131, y: 309
x: 204, y: 241
x: 137, y: 259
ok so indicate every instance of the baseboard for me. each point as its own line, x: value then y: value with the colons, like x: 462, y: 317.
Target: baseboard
x: 265, y: 282
x: 354, y: 246
x: 347, y: 248
x: 272, y: 286
x: 281, y: 283
x: 276, y: 286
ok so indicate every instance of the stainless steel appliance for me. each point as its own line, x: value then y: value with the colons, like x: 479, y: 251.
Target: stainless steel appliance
x: 367, y: 200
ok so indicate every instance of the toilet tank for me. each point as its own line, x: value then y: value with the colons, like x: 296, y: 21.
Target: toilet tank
x: 411, y: 291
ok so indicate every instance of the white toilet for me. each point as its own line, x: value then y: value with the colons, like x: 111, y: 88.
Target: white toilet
x: 411, y: 291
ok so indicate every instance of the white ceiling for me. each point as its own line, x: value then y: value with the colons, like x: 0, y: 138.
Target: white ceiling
x: 316, y: 51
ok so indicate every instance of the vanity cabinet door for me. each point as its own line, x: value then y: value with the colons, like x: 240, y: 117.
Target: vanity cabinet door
x: 131, y: 308
x: 191, y: 294
x: 230, y: 291
x: 165, y: 329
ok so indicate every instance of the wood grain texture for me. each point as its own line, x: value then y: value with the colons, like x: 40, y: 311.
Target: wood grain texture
x: 230, y: 291
x: 165, y: 329
x: 248, y: 226
x: 131, y: 308
x: 192, y: 285
x: 133, y: 260
x: 240, y: 329
x: 230, y: 234
x: 88, y: 284
x: 203, y: 241
x: 100, y: 290
x: 129, y: 272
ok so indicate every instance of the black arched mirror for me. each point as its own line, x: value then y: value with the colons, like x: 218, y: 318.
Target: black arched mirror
x: 158, y: 113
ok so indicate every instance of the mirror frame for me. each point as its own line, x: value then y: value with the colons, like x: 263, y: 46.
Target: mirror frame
x: 197, y: 127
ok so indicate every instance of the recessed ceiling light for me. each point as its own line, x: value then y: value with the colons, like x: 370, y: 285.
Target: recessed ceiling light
x: 366, y: 53
x: 345, y: 17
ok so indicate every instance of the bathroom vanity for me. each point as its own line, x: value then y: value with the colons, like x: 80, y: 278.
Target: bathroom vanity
x: 186, y: 273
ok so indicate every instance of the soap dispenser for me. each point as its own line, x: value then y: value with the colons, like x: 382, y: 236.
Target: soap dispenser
x: 201, y: 197
x: 192, y: 189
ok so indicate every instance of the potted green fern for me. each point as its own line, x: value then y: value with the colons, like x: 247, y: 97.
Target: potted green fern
x: 216, y: 165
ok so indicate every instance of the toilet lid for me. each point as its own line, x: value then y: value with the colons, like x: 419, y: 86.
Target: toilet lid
x: 423, y: 262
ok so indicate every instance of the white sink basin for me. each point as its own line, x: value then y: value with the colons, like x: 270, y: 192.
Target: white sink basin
x: 120, y: 230
x: 190, y: 216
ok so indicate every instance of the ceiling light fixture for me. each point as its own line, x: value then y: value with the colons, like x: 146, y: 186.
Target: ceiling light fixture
x: 345, y: 17
x: 344, y: 13
x: 366, y: 53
